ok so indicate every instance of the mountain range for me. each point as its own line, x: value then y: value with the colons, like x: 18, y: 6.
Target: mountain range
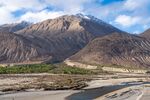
x: 81, y: 38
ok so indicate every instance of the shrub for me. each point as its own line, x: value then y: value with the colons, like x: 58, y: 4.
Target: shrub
x: 41, y: 68
x: 35, y: 68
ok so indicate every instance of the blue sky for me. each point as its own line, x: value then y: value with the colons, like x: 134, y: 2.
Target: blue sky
x: 105, y: 2
x: 129, y: 15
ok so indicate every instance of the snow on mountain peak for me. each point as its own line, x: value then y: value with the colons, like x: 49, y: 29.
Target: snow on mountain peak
x: 92, y: 18
x: 82, y: 16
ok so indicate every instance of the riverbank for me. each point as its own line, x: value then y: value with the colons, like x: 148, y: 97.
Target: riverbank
x: 97, y: 87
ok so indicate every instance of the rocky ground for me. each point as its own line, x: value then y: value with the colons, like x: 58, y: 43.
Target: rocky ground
x: 73, y: 87
x: 26, y: 82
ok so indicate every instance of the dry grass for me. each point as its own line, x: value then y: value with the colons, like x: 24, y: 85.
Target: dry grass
x: 46, y: 82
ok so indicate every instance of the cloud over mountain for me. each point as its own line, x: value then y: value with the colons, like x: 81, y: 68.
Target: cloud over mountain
x: 127, y: 13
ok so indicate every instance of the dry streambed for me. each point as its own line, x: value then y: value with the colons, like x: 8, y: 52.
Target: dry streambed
x: 18, y: 83
x: 31, y: 86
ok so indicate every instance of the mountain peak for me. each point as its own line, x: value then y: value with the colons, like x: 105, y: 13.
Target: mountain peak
x: 70, y: 23
x: 82, y: 16
x: 25, y: 22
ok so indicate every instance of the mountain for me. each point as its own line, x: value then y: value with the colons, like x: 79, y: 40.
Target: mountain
x: 117, y: 48
x: 146, y: 34
x: 81, y: 38
x: 14, y: 26
x: 69, y: 24
x: 66, y: 35
x: 15, y: 48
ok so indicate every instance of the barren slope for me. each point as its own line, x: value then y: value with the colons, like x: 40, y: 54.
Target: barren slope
x: 15, y: 48
x: 146, y: 34
x: 117, y: 48
x: 66, y: 35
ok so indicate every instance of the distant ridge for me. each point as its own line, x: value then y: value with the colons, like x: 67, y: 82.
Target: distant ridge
x: 14, y: 26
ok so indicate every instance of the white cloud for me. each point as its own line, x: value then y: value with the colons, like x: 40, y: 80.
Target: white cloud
x: 127, y: 21
x: 136, y: 4
x: 5, y: 16
x: 9, y: 6
x: 22, y: 4
x: 125, y: 13
x: 69, y: 6
x: 40, y: 16
x: 35, y: 9
x: 147, y: 26
x: 105, y: 11
x: 136, y: 32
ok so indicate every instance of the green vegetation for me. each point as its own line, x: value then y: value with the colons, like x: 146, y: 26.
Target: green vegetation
x: 44, y: 68
x: 70, y: 70
x: 36, y: 68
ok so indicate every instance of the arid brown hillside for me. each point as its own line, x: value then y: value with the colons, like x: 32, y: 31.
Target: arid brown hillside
x: 15, y: 48
x: 77, y: 37
x: 68, y: 25
x: 146, y: 34
x: 66, y: 35
x: 117, y: 48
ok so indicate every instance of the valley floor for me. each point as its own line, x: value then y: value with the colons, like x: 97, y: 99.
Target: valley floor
x: 101, y: 87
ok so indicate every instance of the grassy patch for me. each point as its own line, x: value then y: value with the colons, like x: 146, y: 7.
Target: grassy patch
x: 44, y: 68
x: 36, y: 68
x: 71, y: 70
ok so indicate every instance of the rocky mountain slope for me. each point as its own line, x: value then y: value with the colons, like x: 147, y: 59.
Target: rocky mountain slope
x: 117, y: 48
x: 15, y: 48
x: 66, y: 35
x: 14, y: 26
x: 69, y: 24
x: 52, y: 40
x: 77, y: 37
x: 146, y: 34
